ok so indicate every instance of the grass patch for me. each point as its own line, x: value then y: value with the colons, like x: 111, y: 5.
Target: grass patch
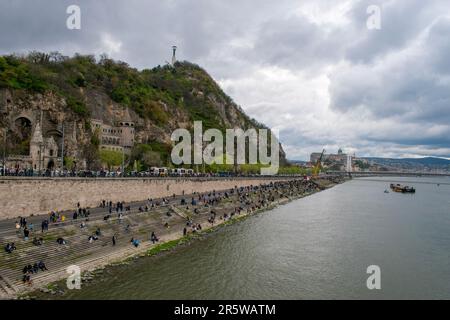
x: 167, y: 246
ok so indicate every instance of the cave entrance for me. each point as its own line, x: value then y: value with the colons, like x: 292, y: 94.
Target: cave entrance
x: 51, y: 165
x: 23, y: 127
x: 20, y: 140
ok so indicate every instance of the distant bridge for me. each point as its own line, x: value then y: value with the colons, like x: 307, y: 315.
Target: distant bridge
x: 388, y: 173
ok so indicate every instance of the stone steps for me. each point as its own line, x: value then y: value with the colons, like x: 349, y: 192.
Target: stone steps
x: 80, y: 252
x: 55, y: 252
x: 98, y: 218
x: 105, y: 258
x: 6, y: 287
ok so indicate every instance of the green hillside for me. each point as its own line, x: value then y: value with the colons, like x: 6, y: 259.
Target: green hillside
x: 163, y: 98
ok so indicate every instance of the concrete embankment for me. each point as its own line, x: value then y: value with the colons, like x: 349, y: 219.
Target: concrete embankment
x: 25, y: 197
x: 167, y: 221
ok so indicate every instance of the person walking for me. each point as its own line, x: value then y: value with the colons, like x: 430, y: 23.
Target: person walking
x: 26, y: 233
x: 18, y: 228
x: 154, y: 238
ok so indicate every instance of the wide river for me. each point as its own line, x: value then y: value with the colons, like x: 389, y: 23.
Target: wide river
x: 318, y: 247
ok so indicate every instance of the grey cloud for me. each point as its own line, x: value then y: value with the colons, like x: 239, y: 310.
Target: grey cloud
x: 401, y: 21
x: 409, y: 85
x: 388, y: 90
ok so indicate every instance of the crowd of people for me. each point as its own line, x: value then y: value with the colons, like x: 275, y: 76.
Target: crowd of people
x: 56, y: 173
x: 215, y: 206
x: 29, y: 269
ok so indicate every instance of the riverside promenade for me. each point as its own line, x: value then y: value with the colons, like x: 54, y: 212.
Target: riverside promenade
x: 25, y: 196
x: 170, y: 219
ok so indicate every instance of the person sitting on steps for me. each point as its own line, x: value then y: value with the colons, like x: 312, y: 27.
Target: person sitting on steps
x: 135, y: 242
x: 92, y: 238
x: 42, y: 266
x: 38, y: 241
x: 10, y: 247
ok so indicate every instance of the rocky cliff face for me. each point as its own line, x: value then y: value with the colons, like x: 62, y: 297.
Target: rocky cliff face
x: 73, y: 91
x: 21, y: 109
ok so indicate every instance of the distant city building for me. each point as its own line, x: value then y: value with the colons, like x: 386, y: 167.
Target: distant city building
x: 339, y: 162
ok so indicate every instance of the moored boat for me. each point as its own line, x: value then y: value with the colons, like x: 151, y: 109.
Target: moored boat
x: 402, y: 189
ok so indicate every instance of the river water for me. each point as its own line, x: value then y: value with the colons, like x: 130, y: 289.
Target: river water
x: 318, y: 247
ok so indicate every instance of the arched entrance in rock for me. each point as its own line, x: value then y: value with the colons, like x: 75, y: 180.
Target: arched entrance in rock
x: 51, y: 164
x: 23, y: 126
x: 20, y: 136
x: 57, y: 135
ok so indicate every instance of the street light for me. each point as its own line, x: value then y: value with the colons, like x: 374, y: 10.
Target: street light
x: 40, y: 157
x: 4, y: 154
x: 123, y: 161
x: 62, y: 149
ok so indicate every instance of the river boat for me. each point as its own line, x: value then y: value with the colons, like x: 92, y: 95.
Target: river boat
x: 402, y: 189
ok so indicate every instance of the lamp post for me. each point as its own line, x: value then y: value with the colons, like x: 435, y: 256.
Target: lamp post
x: 123, y: 161
x: 62, y: 149
x: 4, y: 154
x: 40, y: 158
x: 203, y: 160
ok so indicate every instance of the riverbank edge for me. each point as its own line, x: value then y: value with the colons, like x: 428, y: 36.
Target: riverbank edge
x: 95, y: 268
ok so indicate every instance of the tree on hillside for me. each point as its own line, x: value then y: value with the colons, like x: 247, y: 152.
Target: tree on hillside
x: 111, y: 158
x: 152, y: 159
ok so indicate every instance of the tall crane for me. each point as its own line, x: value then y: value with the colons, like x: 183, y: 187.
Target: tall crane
x: 318, y: 166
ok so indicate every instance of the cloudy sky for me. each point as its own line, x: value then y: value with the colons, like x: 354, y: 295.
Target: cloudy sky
x: 312, y: 69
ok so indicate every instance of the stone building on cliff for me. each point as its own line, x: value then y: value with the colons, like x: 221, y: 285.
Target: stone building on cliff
x: 117, y: 137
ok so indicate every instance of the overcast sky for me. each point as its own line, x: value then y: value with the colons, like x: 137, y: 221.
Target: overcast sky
x: 312, y: 69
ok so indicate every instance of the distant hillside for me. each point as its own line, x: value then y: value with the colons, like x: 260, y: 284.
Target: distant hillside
x: 299, y: 162
x: 429, y: 163
x: 80, y: 88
